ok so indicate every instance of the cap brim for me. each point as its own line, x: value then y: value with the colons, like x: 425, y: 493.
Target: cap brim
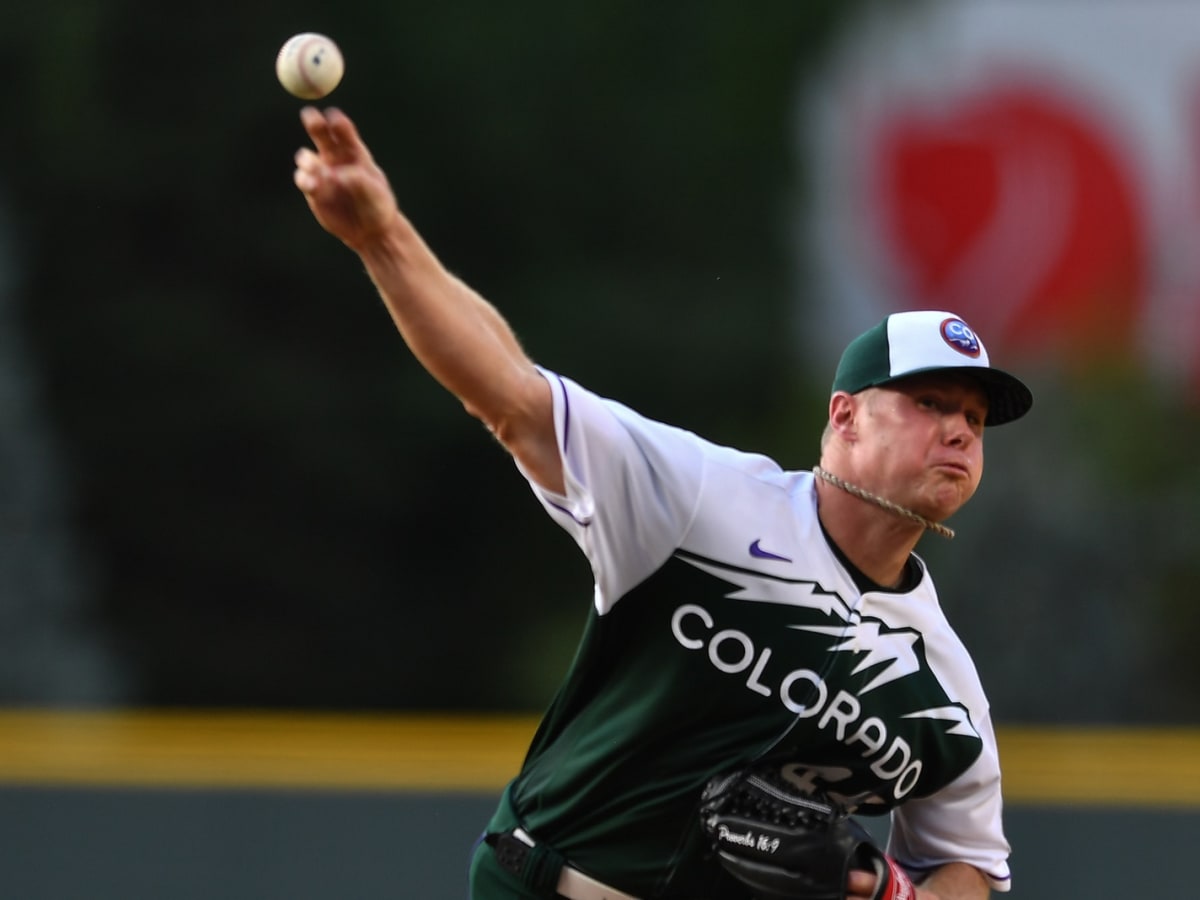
x: 1008, y: 397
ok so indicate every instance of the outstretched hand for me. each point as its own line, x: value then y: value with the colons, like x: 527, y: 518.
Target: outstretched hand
x: 347, y: 192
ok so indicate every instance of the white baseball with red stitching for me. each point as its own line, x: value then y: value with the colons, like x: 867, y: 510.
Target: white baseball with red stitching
x: 309, y: 65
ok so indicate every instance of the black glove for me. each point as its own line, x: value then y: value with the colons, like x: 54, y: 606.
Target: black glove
x: 791, y: 845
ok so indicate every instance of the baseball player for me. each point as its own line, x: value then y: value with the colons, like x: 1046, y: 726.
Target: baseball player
x: 743, y: 614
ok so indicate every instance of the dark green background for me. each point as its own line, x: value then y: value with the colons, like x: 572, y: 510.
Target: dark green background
x: 264, y: 500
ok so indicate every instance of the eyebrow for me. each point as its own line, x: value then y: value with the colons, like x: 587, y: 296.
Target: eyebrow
x: 941, y: 385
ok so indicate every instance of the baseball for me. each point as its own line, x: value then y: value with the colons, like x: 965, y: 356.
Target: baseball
x: 309, y: 65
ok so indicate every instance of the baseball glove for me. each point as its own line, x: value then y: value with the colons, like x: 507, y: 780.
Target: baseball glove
x: 789, y: 845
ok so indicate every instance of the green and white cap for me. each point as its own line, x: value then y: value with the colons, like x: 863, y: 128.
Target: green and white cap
x: 909, y: 343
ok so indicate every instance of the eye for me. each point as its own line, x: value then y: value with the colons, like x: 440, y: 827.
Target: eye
x: 976, y: 417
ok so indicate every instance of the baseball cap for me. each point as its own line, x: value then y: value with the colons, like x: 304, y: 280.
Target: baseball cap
x: 908, y: 343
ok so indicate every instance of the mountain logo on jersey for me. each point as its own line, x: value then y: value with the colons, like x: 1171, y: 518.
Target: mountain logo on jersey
x: 871, y: 722
x: 960, y: 337
x: 891, y: 651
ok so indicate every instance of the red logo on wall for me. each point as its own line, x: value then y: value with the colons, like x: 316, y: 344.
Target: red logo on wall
x: 1015, y: 209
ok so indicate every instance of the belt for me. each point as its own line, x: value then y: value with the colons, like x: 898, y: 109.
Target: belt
x: 512, y: 849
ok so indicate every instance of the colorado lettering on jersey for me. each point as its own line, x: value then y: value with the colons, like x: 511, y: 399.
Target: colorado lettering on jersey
x: 859, y: 685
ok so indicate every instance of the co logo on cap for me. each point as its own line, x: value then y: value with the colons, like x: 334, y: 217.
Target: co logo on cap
x: 960, y: 337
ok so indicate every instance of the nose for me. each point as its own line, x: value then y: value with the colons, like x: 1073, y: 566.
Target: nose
x: 957, y: 429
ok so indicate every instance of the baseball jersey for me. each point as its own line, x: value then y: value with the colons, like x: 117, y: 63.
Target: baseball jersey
x: 726, y: 628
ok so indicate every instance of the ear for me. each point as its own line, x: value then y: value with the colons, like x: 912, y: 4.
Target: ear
x: 843, y: 415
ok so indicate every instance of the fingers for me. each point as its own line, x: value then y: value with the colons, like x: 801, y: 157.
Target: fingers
x: 346, y: 132
x: 337, y: 144
x: 859, y: 885
x: 316, y: 123
x: 334, y: 135
x: 309, y: 170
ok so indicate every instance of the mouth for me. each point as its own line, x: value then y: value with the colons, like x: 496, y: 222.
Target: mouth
x: 954, y: 469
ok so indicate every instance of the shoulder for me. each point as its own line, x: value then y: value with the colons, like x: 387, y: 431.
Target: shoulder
x: 582, y: 411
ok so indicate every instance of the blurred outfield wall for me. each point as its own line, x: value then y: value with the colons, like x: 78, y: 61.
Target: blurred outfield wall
x: 261, y: 806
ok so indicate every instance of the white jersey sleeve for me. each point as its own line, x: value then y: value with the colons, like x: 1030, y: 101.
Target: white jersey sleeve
x: 632, y: 486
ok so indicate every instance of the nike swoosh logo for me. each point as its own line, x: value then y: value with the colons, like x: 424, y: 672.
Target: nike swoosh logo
x: 760, y: 553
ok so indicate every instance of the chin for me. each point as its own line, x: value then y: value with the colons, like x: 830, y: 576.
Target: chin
x: 943, y: 508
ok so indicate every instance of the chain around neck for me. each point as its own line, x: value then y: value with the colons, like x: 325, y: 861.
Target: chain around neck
x: 855, y: 490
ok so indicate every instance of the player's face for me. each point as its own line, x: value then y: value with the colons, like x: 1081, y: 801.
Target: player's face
x: 924, y: 440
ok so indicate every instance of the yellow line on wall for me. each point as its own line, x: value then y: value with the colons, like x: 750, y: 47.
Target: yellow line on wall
x: 187, y: 749
x: 1111, y: 766
x: 1118, y: 767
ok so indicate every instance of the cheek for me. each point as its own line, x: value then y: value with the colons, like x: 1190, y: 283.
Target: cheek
x: 977, y: 469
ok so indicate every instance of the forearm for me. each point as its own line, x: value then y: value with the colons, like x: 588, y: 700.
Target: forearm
x: 955, y: 881
x: 453, y: 332
x: 467, y: 346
